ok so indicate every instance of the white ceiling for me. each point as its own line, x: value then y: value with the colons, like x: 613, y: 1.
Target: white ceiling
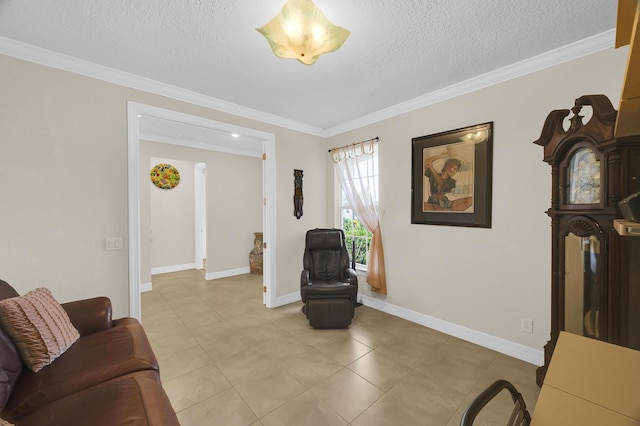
x: 398, y: 49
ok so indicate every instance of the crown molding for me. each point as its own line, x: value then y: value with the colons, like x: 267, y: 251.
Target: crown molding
x: 569, y: 52
x: 587, y: 46
x: 27, y: 52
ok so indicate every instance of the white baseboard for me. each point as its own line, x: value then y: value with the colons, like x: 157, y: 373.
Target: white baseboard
x: 228, y: 273
x: 145, y: 287
x: 174, y: 268
x: 286, y: 299
x: 507, y: 347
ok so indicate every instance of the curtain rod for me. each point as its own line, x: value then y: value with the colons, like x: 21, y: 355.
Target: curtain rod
x: 368, y: 140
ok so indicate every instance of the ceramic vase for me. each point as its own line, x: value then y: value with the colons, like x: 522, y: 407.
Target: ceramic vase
x: 255, y: 256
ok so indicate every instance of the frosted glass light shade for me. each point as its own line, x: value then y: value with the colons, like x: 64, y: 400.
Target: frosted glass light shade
x: 301, y: 31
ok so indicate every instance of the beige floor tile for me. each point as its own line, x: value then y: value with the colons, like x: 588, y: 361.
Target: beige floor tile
x: 210, y: 333
x: 195, y: 386
x: 246, y: 364
x: 264, y: 332
x: 282, y: 348
x: 369, y: 334
x: 304, y: 409
x: 167, y: 326
x: 235, y: 309
x: 380, y: 370
x: 407, y: 351
x: 197, y: 320
x: 154, y: 313
x: 224, y: 409
x: 347, y: 393
x: 225, y: 359
x: 343, y: 349
x: 389, y: 410
x: 267, y: 390
x: 167, y: 345
x: 170, y: 287
x: 444, y: 397
x: 248, y: 319
x: 318, y: 338
x: 182, y: 362
x: 310, y: 367
x: 228, y: 345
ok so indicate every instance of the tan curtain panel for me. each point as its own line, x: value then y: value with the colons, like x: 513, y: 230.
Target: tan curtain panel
x: 357, y: 169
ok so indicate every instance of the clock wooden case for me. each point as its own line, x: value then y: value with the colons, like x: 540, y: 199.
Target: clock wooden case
x: 595, y: 285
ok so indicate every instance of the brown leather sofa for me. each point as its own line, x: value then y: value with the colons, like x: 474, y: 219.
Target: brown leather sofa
x: 109, y: 376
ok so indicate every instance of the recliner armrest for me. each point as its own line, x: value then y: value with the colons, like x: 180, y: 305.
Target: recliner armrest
x: 304, y: 277
x: 90, y: 315
x: 353, y: 276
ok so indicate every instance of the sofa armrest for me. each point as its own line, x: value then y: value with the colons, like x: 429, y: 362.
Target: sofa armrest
x: 90, y: 315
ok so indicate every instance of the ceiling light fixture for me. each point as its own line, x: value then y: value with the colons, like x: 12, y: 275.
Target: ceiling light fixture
x: 301, y: 31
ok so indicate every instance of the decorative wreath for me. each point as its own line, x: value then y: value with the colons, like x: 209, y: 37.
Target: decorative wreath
x: 165, y: 176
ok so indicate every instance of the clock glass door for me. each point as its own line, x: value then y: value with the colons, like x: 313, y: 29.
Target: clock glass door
x: 582, y: 314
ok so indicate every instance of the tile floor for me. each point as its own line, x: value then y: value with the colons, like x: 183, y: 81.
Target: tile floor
x: 227, y: 360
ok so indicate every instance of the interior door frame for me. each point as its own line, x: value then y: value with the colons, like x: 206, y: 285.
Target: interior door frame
x: 134, y: 112
x: 200, y: 209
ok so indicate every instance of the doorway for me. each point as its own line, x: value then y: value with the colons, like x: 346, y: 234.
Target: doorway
x: 138, y: 112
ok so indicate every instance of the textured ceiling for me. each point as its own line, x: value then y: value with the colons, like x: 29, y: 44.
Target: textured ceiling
x: 398, y: 49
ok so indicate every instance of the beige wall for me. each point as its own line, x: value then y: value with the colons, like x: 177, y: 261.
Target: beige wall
x: 483, y: 279
x: 63, y: 164
x: 63, y: 159
x: 234, y: 205
x: 171, y: 229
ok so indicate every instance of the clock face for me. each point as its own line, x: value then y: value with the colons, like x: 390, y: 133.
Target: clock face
x: 583, y: 178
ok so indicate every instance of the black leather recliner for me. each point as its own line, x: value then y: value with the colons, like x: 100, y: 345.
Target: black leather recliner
x: 328, y: 287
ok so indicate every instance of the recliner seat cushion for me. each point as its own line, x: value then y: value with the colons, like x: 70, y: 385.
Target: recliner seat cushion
x: 93, y: 359
x: 329, y: 289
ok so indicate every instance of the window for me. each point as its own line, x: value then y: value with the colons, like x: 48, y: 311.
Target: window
x: 357, y: 237
x: 364, y: 172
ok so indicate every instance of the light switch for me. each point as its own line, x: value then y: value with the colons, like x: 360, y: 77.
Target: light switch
x: 114, y: 243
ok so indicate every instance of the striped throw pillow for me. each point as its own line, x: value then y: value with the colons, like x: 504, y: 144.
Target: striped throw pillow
x: 39, y: 327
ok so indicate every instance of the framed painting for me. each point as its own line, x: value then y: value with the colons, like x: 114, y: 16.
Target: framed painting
x: 451, y: 175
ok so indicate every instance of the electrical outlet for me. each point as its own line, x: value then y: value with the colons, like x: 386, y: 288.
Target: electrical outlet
x: 526, y: 325
x: 114, y: 243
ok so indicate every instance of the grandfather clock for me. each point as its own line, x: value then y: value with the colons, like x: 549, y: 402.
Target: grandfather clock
x: 595, y: 280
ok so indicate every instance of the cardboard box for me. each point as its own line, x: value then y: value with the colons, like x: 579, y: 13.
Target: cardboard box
x: 590, y: 382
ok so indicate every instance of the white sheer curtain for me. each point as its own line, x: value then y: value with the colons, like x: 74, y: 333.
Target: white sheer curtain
x: 357, y: 169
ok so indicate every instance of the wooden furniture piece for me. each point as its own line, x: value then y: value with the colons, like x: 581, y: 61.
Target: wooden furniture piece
x: 628, y: 33
x: 589, y: 383
x: 595, y: 276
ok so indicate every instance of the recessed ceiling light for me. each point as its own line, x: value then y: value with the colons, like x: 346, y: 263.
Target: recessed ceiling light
x: 235, y: 135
